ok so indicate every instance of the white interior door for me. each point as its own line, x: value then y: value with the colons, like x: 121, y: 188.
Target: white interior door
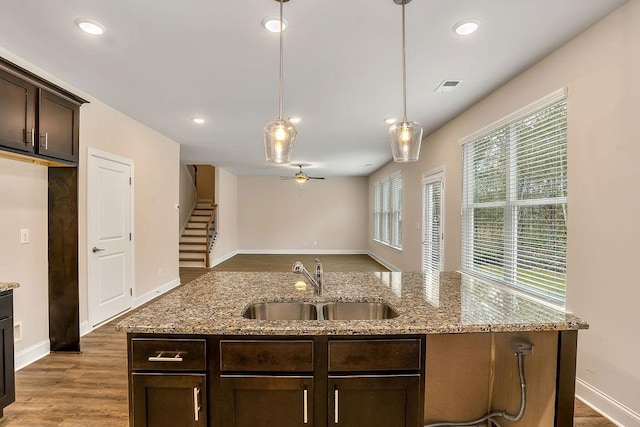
x: 433, y: 240
x: 110, y: 245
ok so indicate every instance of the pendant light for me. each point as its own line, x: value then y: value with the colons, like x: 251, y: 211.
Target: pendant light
x: 405, y: 136
x: 279, y: 135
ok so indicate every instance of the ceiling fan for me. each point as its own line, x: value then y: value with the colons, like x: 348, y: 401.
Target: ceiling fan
x: 300, y: 176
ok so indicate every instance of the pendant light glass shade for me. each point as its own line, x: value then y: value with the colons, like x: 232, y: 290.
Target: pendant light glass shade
x: 279, y: 137
x: 406, y: 138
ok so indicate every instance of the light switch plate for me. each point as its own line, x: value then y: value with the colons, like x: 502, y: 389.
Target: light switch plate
x: 24, y: 236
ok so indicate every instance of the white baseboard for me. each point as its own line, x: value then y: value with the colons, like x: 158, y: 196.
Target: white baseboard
x: 607, y: 406
x: 85, y: 328
x: 383, y: 262
x: 214, y: 262
x: 31, y: 354
x: 145, y: 298
x: 302, y: 251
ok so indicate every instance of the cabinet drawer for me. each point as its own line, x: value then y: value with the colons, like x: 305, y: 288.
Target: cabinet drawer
x: 266, y: 356
x: 6, y: 305
x: 168, y: 354
x: 374, y: 355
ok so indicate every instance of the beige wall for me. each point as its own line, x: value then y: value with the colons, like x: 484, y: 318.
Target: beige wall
x: 23, y: 204
x: 600, y: 69
x: 206, y: 178
x: 227, y: 200
x: 156, y: 192
x: 156, y: 178
x: 276, y: 215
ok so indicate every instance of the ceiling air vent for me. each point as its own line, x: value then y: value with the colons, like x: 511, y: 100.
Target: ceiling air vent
x: 448, y: 85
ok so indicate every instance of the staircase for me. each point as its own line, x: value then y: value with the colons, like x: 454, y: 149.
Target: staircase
x: 194, y: 245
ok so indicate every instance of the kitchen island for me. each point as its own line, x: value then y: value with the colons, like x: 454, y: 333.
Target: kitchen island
x: 447, y: 356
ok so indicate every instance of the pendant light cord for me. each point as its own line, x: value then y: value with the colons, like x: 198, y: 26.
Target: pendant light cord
x: 404, y: 68
x: 281, y: 61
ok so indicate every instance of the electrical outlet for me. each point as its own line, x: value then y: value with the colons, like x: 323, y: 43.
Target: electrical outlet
x: 518, y: 345
x: 24, y: 236
x: 17, y: 332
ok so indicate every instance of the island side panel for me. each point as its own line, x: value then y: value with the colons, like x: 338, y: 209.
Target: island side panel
x: 457, y: 380
x: 540, y: 370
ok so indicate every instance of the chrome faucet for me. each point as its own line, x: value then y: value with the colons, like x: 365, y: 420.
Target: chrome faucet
x: 318, y: 277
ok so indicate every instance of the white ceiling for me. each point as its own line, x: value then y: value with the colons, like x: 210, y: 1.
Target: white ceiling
x: 163, y: 62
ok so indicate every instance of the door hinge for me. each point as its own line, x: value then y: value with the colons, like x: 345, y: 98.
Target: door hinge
x: 131, y: 291
x: 129, y: 236
x: 129, y: 180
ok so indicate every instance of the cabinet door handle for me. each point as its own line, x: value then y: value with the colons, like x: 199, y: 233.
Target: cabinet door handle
x: 196, y: 403
x: 160, y: 358
x: 336, y: 404
x: 304, y: 406
x: 33, y: 137
x: 46, y: 141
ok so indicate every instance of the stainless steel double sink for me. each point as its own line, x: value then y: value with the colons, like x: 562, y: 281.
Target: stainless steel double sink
x: 298, y: 310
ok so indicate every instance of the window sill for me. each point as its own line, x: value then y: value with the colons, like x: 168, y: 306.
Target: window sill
x: 386, y: 245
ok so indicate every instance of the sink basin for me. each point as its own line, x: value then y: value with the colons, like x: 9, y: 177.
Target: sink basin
x: 358, y: 311
x: 281, y: 311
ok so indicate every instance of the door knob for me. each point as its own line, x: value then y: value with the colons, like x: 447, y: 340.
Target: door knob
x: 97, y: 249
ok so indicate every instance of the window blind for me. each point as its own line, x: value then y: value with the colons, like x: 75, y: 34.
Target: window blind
x: 387, y: 210
x: 396, y: 210
x: 377, y: 211
x: 431, y: 247
x: 515, y: 202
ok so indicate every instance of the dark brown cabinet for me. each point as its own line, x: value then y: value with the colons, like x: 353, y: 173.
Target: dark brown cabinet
x: 17, y: 113
x: 37, y: 118
x: 374, y: 401
x: 169, y: 400
x: 168, y: 382
x: 284, y: 381
x: 58, y: 127
x: 7, y: 371
x: 267, y: 401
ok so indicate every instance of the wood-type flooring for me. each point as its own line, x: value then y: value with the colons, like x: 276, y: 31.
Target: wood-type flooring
x: 89, y: 389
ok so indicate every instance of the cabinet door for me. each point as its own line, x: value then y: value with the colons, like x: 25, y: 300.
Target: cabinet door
x: 374, y: 401
x: 267, y: 401
x: 169, y: 400
x: 7, y: 372
x: 17, y: 113
x: 58, y: 127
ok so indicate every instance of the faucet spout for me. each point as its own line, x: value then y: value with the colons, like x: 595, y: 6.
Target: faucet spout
x: 316, y: 279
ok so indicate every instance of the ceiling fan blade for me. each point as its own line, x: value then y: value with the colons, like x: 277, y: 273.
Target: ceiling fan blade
x: 287, y: 177
x: 315, y: 177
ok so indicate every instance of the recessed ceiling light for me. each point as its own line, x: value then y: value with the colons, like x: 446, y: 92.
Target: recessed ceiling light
x: 295, y: 119
x: 272, y: 23
x: 198, y: 120
x: 390, y: 120
x: 90, y: 26
x: 466, y: 27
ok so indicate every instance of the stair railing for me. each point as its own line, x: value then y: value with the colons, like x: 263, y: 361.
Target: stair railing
x: 212, y: 225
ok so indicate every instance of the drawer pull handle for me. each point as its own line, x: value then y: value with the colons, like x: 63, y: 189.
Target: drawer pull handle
x: 304, y: 407
x: 196, y: 403
x: 336, y: 404
x: 160, y: 358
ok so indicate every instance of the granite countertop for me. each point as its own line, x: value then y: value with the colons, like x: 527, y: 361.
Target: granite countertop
x: 214, y: 303
x: 5, y: 286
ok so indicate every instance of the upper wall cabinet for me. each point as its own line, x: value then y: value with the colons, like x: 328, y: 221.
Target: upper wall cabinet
x: 58, y: 127
x: 37, y: 118
x: 17, y: 113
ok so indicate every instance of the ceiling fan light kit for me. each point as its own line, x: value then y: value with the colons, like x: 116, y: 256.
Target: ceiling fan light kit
x: 406, y: 136
x: 279, y: 135
x: 301, y: 177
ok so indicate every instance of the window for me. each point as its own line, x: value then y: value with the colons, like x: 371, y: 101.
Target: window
x: 515, y: 201
x: 387, y: 211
